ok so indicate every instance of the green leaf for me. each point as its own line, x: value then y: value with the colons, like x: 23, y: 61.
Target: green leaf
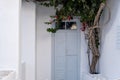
x: 83, y: 0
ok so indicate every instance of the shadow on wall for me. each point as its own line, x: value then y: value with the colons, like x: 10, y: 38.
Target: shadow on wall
x: 109, y: 61
x: 108, y: 17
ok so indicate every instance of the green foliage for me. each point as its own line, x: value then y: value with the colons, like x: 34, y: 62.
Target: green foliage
x: 53, y: 30
x: 86, y: 9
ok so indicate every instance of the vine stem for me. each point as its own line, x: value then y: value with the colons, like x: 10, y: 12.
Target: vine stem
x: 102, y: 5
x: 92, y: 40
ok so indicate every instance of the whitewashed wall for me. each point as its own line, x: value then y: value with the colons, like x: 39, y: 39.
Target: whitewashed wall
x: 9, y: 34
x: 84, y: 67
x: 109, y: 60
x: 43, y: 44
x: 27, y: 37
x: 110, y: 51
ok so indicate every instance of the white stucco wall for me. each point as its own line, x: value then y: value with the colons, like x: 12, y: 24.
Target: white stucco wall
x: 84, y: 67
x: 110, y: 47
x: 9, y: 34
x: 43, y: 43
x: 109, y: 59
x: 27, y: 37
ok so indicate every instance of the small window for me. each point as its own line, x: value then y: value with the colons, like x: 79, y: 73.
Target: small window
x: 62, y: 25
x: 67, y: 25
x: 71, y: 25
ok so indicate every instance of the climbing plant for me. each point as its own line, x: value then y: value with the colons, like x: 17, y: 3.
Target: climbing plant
x: 88, y: 12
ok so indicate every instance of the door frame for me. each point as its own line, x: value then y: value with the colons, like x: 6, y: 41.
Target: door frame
x: 53, y: 49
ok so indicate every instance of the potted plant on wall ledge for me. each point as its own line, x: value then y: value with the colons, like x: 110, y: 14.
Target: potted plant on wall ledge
x: 88, y: 12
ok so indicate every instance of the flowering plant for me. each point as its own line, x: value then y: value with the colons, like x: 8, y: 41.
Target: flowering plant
x: 89, y: 12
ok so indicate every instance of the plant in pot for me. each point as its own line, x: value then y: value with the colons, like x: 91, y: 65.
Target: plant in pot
x: 88, y: 12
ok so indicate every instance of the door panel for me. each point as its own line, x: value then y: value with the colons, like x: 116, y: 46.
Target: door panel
x: 71, y: 42
x: 60, y: 68
x: 66, y: 55
x: 60, y: 43
x: 71, y: 68
x: 60, y: 55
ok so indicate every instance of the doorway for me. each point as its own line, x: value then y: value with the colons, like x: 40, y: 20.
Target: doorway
x: 66, y: 51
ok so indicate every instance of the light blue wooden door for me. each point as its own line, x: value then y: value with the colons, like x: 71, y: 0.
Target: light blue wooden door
x: 66, y: 55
